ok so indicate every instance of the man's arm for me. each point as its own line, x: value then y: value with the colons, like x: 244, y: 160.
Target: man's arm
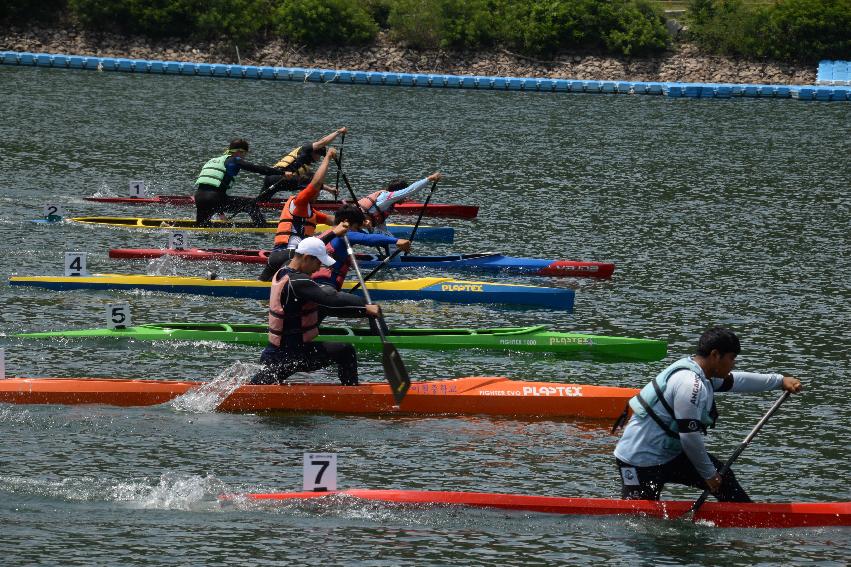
x: 253, y: 167
x: 689, y: 396
x: 321, y: 143
x: 333, y: 302
x: 397, y: 196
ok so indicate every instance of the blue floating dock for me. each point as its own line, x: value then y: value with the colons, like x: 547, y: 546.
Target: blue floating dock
x: 833, y: 78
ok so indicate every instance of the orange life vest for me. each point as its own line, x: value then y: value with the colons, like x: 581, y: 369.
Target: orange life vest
x: 292, y: 225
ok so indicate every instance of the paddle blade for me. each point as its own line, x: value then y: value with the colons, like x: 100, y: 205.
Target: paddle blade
x: 395, y: 372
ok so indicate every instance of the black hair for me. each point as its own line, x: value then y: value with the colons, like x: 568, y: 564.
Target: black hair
x: 349, y: 212
x: 238, y: 144
x: 718, y: 338
x: 396, y: 185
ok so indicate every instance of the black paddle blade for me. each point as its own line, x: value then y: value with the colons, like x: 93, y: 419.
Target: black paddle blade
x: 395, y: 373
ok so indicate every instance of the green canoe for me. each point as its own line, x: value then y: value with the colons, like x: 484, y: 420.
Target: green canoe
x: 524, y: 339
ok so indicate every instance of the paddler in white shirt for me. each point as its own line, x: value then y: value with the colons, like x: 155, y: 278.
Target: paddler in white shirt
x: 663, y: 442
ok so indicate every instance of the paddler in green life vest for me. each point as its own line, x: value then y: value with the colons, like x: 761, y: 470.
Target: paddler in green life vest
x: 663, y: 441
x: 294, y: 171
x: 215, y: 179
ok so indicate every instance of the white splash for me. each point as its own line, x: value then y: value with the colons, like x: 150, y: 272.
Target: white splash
x: 174, y: 492
x: 207, y: 397
x: 165, y: 265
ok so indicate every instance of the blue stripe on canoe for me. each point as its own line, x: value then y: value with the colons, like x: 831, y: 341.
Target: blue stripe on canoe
x: 494, y: 262
x: 425, y: 233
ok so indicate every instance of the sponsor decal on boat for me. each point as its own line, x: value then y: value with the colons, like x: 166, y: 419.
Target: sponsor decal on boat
x: 565, y: 391
x: 518, y: 341
x: 461, y: 287
x: 576, y: 268
x: 571, y: 341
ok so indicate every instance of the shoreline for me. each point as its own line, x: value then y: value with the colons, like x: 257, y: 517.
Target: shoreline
x: 683, y: 63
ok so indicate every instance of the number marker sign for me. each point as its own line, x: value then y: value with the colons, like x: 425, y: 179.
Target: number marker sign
x: 75, y: 264
x: 178, y: 240
x: 320, y: 472
x: 53, y: 212
x: 2, y: 364
x: 118, y: 315
x: 137, y: 189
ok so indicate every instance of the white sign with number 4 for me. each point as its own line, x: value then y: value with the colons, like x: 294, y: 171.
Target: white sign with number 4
x: 137, y: 189
x: 320, y: 472
x: 178, y: 240
x: 75, y: 264
x: 118, y: 315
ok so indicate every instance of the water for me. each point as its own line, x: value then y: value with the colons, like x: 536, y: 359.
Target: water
x: 732, y: 212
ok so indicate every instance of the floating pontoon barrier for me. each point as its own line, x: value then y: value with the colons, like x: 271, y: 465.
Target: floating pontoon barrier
x: 834, y: 78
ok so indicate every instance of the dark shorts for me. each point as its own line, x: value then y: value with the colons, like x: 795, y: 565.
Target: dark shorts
x: 646, y: 483
x: 280, y: 364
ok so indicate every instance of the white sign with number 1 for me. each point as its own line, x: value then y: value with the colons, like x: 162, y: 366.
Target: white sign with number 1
x: 320, y: 472
x: 137, y: 189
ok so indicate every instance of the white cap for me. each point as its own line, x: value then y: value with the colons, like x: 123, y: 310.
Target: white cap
x: 313, y: 246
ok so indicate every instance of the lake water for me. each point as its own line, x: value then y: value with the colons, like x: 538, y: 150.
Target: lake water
x: 715, y: 212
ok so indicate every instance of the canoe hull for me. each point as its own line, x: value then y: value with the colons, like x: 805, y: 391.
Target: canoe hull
x: 424, y: 233
x: 432, y: 209
x: 517, y: 339
x: 720, y: 514
x: 437, y: 289
x: 486, y: 395
x: 479, y: 262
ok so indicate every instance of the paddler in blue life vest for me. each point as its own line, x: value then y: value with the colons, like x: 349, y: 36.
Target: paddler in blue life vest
x: 663, y: 441
x: 379, y: 205
x: 215, y: 179
x: 294, y: 169
x: 294, y: 304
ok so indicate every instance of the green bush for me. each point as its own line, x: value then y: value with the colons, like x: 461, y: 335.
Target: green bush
x: 455, y: 24
x: 33, y: 12
x: 800, y: 30
x: 321, y: 22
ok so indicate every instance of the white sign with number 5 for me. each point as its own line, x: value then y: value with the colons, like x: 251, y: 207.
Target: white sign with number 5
x: 137, y: 189
x: 178, y: 240
x: 320, y: 472
x: 75, y: 264
x: 118, y: 315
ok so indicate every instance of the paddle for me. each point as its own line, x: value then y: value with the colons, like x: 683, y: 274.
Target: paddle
x: 699, y: 502
x: 339, y: 164
x: 348, y: 185
x: 389, y: 258
x: 394, y: 367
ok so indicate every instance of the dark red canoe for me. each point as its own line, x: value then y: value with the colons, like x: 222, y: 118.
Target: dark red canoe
x: 432, y: 210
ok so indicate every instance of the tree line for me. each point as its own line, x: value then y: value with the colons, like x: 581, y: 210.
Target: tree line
x: 791, y: 30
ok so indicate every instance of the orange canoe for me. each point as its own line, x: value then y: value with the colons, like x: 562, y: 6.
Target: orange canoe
x: 470, y: 395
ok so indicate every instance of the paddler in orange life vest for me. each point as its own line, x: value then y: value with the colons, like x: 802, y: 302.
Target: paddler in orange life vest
x: 298, y: 220
x: 379, y: 205
x: 663, y: 440
x: 215, y: 179
x: 294, y: 304
x: 294, y: 168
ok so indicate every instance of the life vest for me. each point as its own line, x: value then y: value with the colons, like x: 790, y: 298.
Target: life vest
x: 642, y: 404
x: 369, y: 204
x: 292, y: 225
x: 286, y: 163
x: 213, y: 172
x: 302, y: 320
x: 335, y: 273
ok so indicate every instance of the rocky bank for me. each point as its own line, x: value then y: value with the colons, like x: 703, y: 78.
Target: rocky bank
x: 684, y: 62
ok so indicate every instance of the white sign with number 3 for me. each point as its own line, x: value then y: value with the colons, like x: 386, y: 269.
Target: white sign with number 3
x: 178, y: 240
x: 320, y: 472
x: 137, y: 189
x: 118, y: 315
x: 75, y: 264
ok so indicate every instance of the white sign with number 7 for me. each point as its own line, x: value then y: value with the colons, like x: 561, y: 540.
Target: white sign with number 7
x: 320, y: 472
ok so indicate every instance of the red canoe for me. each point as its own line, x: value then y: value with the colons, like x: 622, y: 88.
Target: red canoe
x: 488, y: 262
x: 462, y: 396
x: 409, y: 208
x: 719, y: 514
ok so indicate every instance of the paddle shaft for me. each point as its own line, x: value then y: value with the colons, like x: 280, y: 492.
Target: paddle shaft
x: 340, y: 164
x: 699, y: 502
x: 389, y: 258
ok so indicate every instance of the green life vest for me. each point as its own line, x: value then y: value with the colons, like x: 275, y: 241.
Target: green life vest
x: 653, y: 393
x: 213, y: 172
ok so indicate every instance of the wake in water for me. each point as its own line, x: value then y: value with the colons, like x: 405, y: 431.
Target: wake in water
x: 206, y: 398
x: 165, y: 265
